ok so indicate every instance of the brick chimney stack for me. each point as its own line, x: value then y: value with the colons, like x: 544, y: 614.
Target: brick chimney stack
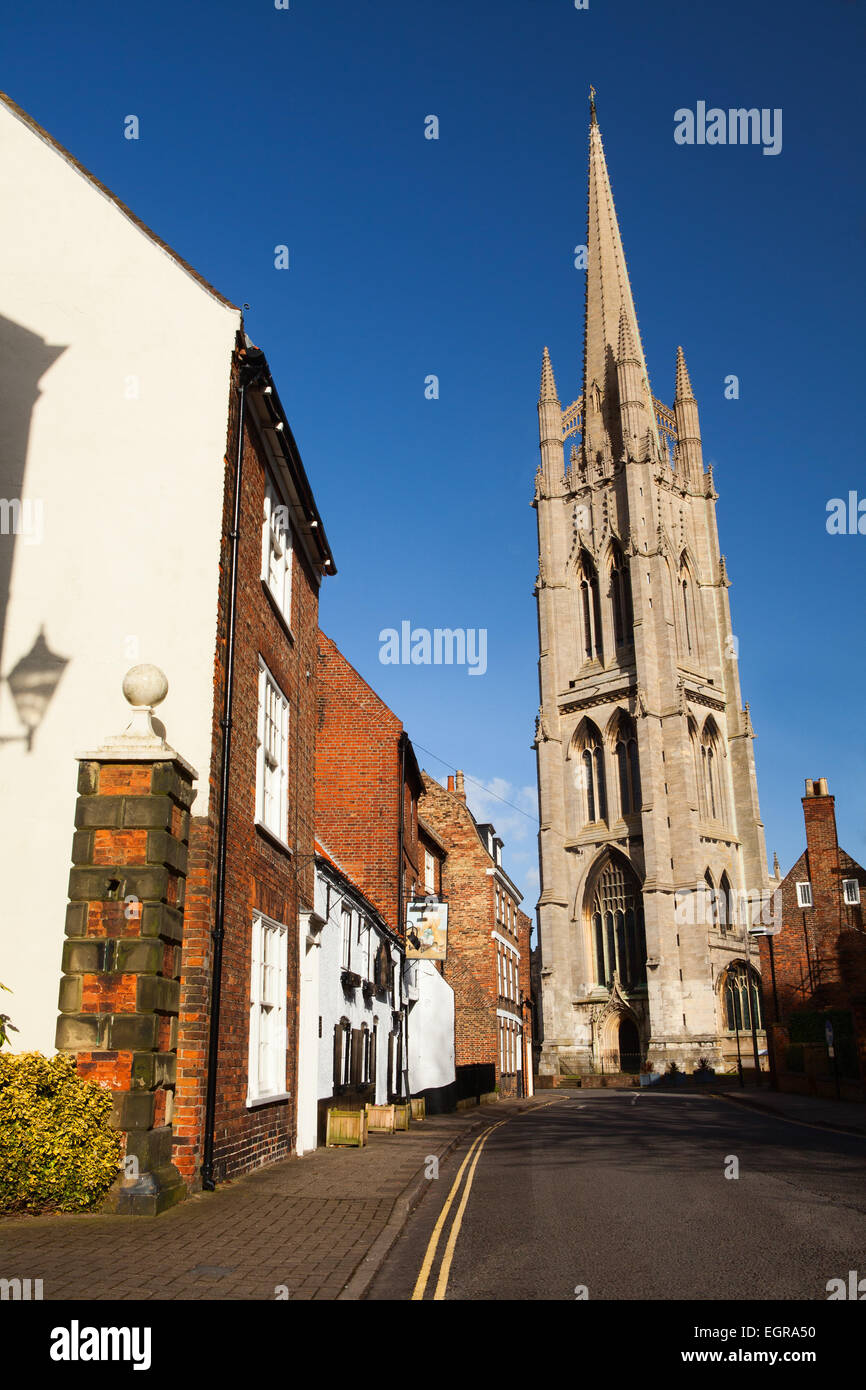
x: 822, y: 847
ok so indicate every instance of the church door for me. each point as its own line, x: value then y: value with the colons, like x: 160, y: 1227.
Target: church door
x: 629, y: 1046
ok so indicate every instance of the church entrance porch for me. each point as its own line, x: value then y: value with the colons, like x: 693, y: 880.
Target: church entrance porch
x: 617, y: 1037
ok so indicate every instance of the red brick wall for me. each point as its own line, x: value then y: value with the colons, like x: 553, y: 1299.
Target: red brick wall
x: 469, y: 887
x: 819, y: 955
x: 358, y: 771
x: 259, y: 874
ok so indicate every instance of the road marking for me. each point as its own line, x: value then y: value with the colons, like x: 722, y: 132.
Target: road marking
x: 430, y: 1253
x: 445, y: 1267
x: 433, y: 1243
x: 635, y: 1099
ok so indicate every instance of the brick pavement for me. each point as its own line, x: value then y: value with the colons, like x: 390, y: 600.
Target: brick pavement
x: 305, y: 1223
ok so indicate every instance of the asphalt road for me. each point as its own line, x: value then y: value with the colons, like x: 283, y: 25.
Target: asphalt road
x: 625, y: 1194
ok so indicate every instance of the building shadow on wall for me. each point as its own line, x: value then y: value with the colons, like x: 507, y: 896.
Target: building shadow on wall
x: 31, y: 674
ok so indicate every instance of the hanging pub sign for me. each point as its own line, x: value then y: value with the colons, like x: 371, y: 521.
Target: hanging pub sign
x: 426, y: 930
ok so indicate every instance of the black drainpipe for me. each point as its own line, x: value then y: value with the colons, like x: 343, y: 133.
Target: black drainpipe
x: 247, y: 375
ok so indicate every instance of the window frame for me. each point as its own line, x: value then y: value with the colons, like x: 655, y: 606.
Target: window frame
x: 264, y: 797
x: 277, y: 540
x: 801, y: 897
x: 271, y: 996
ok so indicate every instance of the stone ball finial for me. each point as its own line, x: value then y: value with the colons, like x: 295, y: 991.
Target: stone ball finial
x: 145, y: 686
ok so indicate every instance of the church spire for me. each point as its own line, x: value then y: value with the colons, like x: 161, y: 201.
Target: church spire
x: 608, y: 301
x: 548, y: 384
x: 550, y: 429
x: 689, y: 454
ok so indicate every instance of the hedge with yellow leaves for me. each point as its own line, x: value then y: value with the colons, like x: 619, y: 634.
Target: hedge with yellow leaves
x: 57, y: 1149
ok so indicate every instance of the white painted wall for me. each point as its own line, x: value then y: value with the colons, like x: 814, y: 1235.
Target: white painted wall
x: 335, y: 1003
x: 431, y: 1029
x: 310, y: 946
x: 92, y: 312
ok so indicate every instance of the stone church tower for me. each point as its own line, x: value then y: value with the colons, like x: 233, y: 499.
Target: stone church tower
x: 651, y: 839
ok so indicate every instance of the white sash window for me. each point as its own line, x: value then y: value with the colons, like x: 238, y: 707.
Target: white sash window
x: 277, y: 551
x: 272, y: 757
x: 268, y: 986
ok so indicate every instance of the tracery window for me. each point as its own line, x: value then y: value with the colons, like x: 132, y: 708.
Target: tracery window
x: 619, y: 940
x: 591, y: 775
x: 590, y: 608
x: 727, y: 904
x: 687, y: 601
x: 712, y: 901
x: 628, y: 766
x: 742, y: 998
x: 620, y: 597
x: 711, y: 773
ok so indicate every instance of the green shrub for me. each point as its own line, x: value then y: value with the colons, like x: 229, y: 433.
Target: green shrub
x: 57, y: 1150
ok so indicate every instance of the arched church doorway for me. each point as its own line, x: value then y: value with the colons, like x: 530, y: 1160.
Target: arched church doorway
x: 629, y: 1046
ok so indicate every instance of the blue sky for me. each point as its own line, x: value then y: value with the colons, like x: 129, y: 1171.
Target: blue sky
x: 410, y: 257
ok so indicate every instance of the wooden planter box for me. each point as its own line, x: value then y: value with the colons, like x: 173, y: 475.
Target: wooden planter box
x: 347, y: 1128
x: 419, y: 1108
x: 402, y: 1114
x: 381, y: 1119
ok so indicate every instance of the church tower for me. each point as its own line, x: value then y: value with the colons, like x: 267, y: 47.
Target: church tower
x: 651, y: 844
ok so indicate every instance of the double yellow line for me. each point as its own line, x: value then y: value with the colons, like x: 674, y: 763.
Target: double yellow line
x: 445, y: 1267
x: 472, y: 1158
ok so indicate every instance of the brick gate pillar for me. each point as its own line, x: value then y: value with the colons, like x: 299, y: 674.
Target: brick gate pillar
x: 120, y: 989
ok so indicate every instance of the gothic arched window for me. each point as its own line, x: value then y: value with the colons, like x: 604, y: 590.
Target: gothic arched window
x: 742, y: 994
x: 628, y: 765
x: 712, y: 901
x: 687, y: 600
x: 711, y: 772
x: 591, y: 776
x: 727, y: 905
x: 698, y: 766
x: 620, y: 597
x: 616, y: 916
x: 590, y: 607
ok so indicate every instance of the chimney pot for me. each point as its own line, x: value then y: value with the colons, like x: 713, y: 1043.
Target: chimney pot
x: 459, y: 789
x: 810, y: 787
x: 450, y: 782
x: 822, y: 787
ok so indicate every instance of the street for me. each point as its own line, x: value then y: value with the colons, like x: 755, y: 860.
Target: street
x: 624, y: 1195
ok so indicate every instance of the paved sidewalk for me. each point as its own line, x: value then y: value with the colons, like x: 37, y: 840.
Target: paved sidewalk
x: 849, y: 1115
x: 319, y: 1226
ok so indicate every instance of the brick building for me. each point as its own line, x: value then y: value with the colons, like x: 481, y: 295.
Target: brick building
x: 488, y: 961
x: 270, y: 638
x: 125, y: 368
x: 814, y: 968
x: 368, y: 787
